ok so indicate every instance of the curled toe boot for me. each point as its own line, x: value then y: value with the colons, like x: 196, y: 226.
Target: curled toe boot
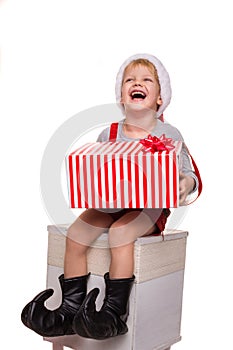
x: 110, y: 321
x: 52, y: 323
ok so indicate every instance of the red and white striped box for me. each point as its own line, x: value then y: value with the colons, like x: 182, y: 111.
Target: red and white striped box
x: 123, y: 175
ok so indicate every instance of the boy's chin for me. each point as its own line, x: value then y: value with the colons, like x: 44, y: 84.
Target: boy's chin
x: 137, y: 107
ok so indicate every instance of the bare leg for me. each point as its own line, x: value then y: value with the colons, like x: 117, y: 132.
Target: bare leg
x: 111, y: 319
x: 86, y: 229
x: 57, y: 346
x: 122, y: 235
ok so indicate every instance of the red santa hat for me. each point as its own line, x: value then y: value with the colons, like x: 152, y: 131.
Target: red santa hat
x: 163, y: 76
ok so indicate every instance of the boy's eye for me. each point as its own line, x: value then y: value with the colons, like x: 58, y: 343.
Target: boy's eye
x: 149, y: 79
x: 128, y: 79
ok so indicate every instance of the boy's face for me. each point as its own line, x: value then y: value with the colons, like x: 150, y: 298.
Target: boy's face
x: 140, y: 88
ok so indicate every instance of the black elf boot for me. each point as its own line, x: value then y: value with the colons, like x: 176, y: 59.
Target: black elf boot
x: 110, y: 321
x: 52, y: 323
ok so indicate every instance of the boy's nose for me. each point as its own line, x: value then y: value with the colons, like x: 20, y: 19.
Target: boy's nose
x: 138, y: 83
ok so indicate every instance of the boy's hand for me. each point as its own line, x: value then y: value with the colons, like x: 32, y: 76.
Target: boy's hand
x: 186, y: 186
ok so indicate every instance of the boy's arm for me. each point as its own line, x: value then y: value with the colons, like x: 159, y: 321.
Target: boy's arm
x: 103, y: 136
x: 188, y: 181
x: 186, y: 186
x: 191, y: 183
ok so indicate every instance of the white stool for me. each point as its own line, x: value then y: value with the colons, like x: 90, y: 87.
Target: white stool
x: 156, y: 298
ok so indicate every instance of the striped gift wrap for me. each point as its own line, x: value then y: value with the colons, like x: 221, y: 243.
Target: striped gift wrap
x: 123, y: 175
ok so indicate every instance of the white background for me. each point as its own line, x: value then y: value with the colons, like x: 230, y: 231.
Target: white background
x: 61, y: 57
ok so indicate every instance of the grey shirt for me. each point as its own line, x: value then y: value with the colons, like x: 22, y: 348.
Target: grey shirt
x: 160, y: 129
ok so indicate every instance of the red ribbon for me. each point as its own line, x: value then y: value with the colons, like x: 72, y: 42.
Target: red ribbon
x: 155, y: 144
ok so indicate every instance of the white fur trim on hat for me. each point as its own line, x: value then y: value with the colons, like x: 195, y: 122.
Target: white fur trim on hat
x: 164, y: 80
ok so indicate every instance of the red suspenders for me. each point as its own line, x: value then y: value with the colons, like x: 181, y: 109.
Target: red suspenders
x: 113, y: 132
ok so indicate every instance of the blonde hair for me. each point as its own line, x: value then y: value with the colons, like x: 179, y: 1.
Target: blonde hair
x: 146, y: 63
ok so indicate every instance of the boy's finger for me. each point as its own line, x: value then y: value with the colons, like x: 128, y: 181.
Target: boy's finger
x: 182, y: 199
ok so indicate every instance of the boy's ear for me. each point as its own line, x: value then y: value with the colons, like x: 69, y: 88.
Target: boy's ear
x: 121, y: 102
x: 159, y: 101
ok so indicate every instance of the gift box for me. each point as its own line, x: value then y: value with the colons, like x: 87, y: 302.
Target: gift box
x: 124, y: 174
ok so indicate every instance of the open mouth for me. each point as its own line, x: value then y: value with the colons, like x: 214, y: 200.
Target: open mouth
x: 139, y: 95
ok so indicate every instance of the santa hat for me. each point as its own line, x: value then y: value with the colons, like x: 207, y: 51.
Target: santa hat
x: 163, y: 76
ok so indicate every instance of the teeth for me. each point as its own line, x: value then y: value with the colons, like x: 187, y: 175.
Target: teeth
x: 138, y: 93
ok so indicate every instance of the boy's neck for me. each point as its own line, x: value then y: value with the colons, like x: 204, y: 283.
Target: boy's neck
x: 140, y: 124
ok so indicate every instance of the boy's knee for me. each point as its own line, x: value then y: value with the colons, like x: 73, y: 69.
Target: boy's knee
x: 73, y: 241
x: 119, y: 236
x: 116, y: 230
x: 71, y: 233
x: 74, y: 246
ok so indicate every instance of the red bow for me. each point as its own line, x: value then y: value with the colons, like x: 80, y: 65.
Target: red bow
x: 155, y: 144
